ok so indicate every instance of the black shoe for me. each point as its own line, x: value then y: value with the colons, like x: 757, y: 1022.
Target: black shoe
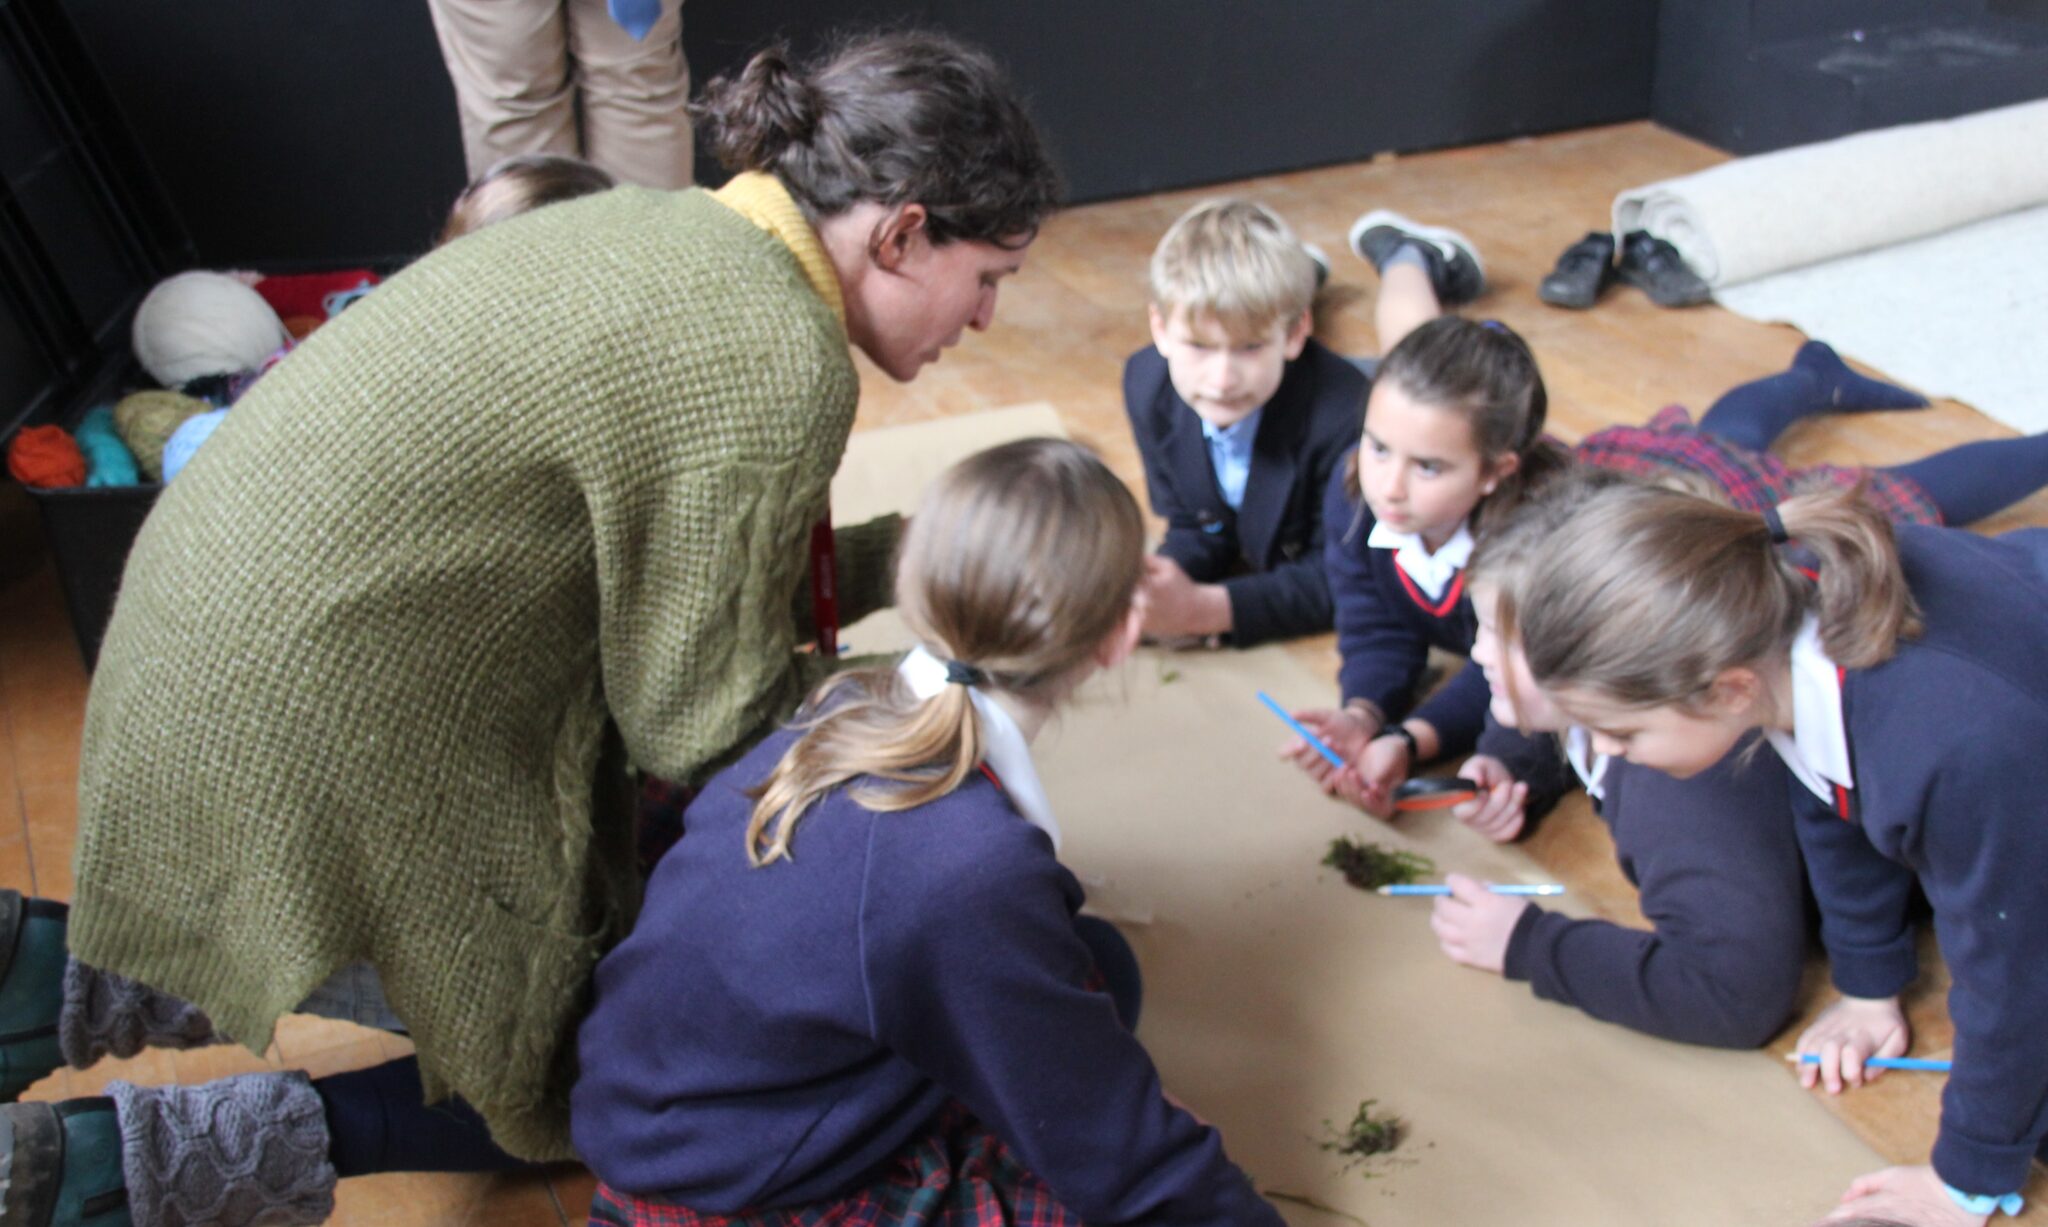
x: 60, y: 1164
x: 1454, y: 269
x: 1584, y: 270
x: 31, y: 990
x: 1655, y: 267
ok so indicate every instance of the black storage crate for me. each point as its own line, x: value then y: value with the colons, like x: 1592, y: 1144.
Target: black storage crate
x: 84, y: 233
x: 90, y: 532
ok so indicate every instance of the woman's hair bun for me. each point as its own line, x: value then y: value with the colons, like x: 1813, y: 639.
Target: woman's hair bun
x: 755, y: 116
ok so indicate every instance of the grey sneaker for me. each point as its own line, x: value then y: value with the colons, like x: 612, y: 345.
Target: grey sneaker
x: 1454, y: 268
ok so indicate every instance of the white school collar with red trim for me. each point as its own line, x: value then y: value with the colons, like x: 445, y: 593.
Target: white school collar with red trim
x: 1007, y: 754
x: 1817, y: 751
x: 1431, y: 572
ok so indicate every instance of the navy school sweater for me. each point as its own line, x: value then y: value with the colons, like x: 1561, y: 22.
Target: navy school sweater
x: 767, y: 1037
x: 1267, y: 554
x: 1948, y: 744
x: 1386, y: 626
x: 1717, y: 866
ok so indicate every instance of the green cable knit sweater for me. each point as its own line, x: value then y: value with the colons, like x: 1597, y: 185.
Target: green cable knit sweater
x: 535, y: 509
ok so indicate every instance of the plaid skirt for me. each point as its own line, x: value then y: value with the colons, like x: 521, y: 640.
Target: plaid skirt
x: 1754, y: 481
x: 958, y: 1175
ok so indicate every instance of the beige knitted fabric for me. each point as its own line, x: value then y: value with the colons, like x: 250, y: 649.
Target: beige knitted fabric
x: 355, y: 701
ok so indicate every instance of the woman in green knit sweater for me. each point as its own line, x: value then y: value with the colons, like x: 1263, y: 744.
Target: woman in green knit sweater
x: 534, y: 512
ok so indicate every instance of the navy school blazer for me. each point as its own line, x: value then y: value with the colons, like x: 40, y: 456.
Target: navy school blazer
x: 1268, y: 553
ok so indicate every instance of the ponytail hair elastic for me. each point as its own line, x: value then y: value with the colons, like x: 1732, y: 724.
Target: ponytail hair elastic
x: 960, y: 673
x: 1775, y: 526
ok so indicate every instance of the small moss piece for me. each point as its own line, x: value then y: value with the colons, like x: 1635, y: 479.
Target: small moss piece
x: 1369, y: 866
x: 1369, y: 1134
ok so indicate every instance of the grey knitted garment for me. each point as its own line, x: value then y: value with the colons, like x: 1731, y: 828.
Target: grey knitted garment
x: 248, y: 1151
x: 106, y: 1015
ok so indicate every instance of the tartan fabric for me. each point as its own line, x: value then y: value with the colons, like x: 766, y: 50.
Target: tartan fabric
x: 1754, y: 481
x: 958, y: 1175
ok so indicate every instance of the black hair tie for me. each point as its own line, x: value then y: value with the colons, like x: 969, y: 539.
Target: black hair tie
x: 1775, y: 526
x: 960, y: 673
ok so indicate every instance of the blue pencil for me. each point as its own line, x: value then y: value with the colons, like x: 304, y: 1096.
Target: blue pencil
x: 1313, y: 740
x: 1923, y: 1063
x: 1498, y: 888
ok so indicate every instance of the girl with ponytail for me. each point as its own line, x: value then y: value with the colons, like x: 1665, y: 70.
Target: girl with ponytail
x: 859, y: 986
x: 1901, y: 676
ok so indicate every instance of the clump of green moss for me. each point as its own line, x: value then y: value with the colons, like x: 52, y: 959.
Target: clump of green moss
x: 1369, y: 1134
x: 1369, y: 866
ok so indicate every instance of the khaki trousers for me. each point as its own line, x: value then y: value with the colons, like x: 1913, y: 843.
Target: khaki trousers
x: 560, y: 76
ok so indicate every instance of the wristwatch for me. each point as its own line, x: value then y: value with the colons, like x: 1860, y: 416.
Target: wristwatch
x: 1402, y: 731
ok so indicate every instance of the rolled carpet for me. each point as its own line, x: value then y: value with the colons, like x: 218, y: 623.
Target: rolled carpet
x: 1760, y: 215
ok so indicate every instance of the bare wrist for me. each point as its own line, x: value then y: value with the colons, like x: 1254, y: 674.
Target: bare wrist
x: 1217, y: 616
x: 1368, y: 711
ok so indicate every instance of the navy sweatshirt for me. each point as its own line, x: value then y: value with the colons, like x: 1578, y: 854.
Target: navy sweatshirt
x: 1717, y: 864
x: 1948, y: 745
x: 766, y: 1037
x: 1267, y: 554
x: 1386, y: 626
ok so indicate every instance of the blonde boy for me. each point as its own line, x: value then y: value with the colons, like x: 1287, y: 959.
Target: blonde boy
x: 1241, y: 417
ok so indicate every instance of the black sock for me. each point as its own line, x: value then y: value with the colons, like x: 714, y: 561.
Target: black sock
x: 378, y: 1121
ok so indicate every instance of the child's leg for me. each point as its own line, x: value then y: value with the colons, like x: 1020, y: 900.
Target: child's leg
x: 1754, y: 414
x: 1406, y: 299
x: 378, y: 1120
x: 1422, y: 269
x: 1976, y: 479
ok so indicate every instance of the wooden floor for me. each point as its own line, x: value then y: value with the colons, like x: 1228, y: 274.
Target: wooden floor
x: 1063, y: 329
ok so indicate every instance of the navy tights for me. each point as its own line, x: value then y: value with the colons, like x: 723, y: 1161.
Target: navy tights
x: 1966, y: 483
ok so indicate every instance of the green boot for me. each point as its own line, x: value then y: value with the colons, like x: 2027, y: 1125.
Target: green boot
x: 31, y: 990
x: 60, y: 1165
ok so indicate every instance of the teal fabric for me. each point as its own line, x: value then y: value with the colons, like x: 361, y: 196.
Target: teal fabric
x: 108, y: 462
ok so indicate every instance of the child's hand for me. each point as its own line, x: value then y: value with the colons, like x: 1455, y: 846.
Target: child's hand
x: 1473, y: 924
x: 1176, y: 607
x: 1905, y: 1195
x: 1849, y: 1032
x: 1385, y: 763
x: 1346, y: 731
x: 1497, y: 813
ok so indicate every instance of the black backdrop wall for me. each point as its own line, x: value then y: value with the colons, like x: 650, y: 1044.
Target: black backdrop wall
x: 324, y: 130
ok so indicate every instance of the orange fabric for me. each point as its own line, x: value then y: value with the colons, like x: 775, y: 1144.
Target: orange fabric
x: 46, y: 458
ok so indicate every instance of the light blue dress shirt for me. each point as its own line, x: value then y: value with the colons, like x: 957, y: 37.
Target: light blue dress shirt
x: 1230, y: 455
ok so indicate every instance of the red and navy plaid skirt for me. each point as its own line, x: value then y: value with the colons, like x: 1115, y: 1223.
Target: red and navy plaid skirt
x: 959, y: 1175
x: 1670, y: 442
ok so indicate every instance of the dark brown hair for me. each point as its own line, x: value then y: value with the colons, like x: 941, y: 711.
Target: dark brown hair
x: 893, y: 118
x: 1485, y: 373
